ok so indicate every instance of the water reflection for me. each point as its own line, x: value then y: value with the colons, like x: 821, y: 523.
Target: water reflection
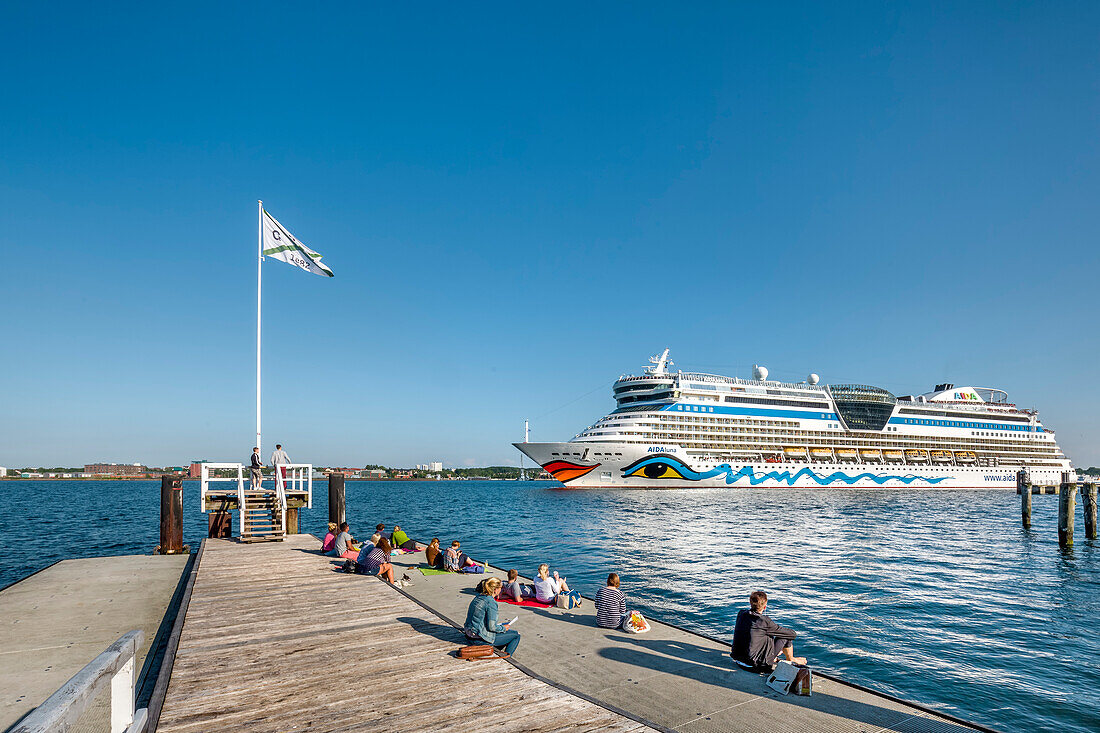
x: 934, y: 596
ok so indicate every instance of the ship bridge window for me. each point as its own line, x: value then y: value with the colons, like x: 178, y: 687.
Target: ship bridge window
x: 863, y: 407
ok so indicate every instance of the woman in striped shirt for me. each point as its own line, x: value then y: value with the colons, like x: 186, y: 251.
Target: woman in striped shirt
x: 377, y: 561
x: 610, y: 604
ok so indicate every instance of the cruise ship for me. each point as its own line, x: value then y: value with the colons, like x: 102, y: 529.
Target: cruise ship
x: 684, y: 429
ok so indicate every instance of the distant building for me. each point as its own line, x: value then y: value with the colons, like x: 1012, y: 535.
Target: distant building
x: 115, y: 469
x: 347, y: 472
x: 435, y: 466
x: 376, y: 473
x: 3, y: 472
x: 196, y: 469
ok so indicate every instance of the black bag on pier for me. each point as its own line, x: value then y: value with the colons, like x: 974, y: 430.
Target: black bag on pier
x: 350, y: 566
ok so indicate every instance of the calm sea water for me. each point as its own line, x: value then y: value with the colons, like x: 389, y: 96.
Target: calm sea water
x: 936, y: 597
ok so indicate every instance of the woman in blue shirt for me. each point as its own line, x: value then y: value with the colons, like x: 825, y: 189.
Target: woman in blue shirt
x: 481, y: 619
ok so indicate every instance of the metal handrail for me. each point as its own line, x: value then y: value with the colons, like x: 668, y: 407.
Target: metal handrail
x: 280, y: 494
x: 115, y: 665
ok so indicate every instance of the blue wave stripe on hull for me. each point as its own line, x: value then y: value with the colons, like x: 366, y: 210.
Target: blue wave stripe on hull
x: 682, y: 470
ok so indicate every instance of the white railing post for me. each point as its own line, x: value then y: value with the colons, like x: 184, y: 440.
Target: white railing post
x: 204, y: 476
x: 240, y: 495
x: 122, y: 697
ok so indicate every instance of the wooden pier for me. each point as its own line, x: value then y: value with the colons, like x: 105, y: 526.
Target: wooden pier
x: 275, y: 640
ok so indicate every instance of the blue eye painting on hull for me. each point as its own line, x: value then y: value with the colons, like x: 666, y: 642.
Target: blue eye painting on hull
x: 668, y: 467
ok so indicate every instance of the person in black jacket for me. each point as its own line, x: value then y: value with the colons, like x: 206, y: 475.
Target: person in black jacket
x: 758, y: 641
x: 257, y: 464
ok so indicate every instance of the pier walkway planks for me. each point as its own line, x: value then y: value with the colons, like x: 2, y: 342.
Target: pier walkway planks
x: 274, y: 640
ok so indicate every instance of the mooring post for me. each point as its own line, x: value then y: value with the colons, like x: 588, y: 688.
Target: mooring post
x: 1066, y: 509
x: 336, y: 498
x: 1090, y: 510
x: 1023, y: 487
x: 291, y: 520
x: 171, y: 515
x: 219, y: 520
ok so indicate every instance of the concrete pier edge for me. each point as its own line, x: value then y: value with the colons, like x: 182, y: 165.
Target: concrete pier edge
x: 527, y: 671
x: 816, y: 670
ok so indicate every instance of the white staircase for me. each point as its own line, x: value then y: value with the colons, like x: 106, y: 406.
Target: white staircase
x: 262, y: 516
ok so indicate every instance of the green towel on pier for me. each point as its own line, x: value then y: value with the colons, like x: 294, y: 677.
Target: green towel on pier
x: 434, y: 571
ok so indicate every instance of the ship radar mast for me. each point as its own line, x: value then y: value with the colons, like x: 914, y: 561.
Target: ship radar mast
x: 660, y: 364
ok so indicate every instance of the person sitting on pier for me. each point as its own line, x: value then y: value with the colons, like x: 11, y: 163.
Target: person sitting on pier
x: 345, y: 544
x: 481, y: 619
x: 516, y: 589
x: 400, y: 539
x: 456, y: 561
x: 758, y: 641
x: 433, y: 554
x: 330, y: 539
x: 376, y: 560
x: 548, y: 589
x: 610, y: 604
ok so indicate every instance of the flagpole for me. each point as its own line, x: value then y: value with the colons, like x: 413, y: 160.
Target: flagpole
x: 259, y: 284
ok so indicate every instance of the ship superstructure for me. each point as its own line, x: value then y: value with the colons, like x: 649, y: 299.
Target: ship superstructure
x: 690, y: 429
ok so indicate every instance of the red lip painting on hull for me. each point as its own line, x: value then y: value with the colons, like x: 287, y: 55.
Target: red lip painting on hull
x: 565, y: 471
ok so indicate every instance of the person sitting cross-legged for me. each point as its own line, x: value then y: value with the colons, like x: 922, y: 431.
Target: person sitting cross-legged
x: 610, y: 604
x: 330, y: 539
x: 455, y: 560
x: 481, y: 619
x: 515, y: 589
x: 344, y: 546
x: 376, y: 560
x: 758, y: 641
x: 433, y: 555
x: 547, y: 588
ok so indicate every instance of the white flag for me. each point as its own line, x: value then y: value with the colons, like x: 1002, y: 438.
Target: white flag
x: 281, y: 244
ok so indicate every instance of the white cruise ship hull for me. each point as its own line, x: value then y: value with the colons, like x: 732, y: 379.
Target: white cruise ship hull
x: 619, y: 465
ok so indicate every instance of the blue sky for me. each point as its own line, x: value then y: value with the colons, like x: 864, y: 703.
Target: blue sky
x: 521, y: 204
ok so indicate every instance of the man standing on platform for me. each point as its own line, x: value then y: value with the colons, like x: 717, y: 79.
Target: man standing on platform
x: 279, y: 459
x: 257, y: 464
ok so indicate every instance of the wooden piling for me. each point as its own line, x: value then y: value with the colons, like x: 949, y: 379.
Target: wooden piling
x: 1023, y: 486
x: 171, y: 515
x: 1089, y: 494
x: 1067, y: 495
x: 336, y: 506
x: 291, y: 520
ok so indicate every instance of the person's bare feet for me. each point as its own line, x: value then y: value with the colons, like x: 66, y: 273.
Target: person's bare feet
x: 799, y: 660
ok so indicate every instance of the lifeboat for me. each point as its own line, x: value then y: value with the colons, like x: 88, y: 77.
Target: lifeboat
x: 893, y: 455
x: 941, y: 456
x: 822, y: 454
x: 870, y: 454
x: 916, y: 456
x: 846, y: 454
x: 796, y: 451
x: 965, y: 456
